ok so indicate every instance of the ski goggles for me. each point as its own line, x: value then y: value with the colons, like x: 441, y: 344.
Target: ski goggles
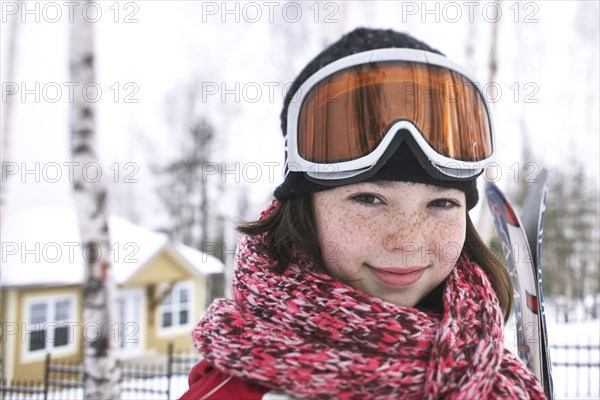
x: 348, y: 115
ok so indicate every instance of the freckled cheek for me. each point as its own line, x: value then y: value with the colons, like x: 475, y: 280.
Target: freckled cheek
x: 345, y: 241
x: 347, y: 226
x: 447, y: 241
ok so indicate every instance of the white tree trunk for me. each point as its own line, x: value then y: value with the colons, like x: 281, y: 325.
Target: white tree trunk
x: 99, y: 290
x: 7, y: 114
x: 6, y: 135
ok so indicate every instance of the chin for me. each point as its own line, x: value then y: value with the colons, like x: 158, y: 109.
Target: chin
x: 402, y: 303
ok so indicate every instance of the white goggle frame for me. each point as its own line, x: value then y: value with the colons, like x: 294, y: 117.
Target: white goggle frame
x: 451, y: 168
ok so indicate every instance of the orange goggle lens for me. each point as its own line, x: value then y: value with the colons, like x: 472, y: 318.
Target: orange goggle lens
x: 345, y: 116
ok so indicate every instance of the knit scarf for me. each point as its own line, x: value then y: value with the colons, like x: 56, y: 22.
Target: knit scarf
x: 310, y: 336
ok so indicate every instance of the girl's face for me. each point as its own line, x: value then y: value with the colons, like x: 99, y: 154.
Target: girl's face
x: 392, y: 240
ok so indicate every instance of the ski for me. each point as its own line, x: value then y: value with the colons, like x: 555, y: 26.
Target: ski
x: 532, y: 217
x: 522, y: 268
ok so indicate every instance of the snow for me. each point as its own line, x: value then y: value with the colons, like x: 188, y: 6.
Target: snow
x: 41, y: 246
x: 205, y: 263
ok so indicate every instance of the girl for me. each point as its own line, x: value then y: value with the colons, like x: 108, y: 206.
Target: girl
x: 366, y: 277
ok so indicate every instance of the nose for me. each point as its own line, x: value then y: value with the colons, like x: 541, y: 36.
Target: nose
x: 405, y: 233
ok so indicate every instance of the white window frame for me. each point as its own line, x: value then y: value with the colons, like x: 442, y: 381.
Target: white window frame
x: 71, y: 322
x: 174, y: 308
x: 127, y: 329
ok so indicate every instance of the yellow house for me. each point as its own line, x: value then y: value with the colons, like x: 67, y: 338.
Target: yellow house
x: 162, y: 291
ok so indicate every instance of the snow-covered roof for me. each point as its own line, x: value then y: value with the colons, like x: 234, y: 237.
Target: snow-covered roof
x: 41, y: 247
x: 204, y: 262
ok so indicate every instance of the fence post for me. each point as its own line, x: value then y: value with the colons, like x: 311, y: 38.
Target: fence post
x: 169, y: 368
x: 46, y: 376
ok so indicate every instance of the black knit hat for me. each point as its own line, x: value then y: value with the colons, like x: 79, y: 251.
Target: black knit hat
x: 405, y: 162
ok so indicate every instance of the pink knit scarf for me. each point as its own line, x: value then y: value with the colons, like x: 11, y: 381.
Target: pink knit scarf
x: 312, y: 337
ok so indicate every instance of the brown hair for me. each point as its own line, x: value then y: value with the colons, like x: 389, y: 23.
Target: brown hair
x: 292, y: 223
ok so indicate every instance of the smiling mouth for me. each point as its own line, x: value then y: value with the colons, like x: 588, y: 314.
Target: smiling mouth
x: 397, y: 276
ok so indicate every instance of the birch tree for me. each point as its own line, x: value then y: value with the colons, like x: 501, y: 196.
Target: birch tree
x: 100, y: 359
x: 5, y: 156
x: 8, y: 113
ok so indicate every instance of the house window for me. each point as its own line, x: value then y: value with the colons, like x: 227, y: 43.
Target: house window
x: 175, y: 309
x: 50, y: 324
x: 37, y: 336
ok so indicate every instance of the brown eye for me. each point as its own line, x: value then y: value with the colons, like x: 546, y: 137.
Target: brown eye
x: 444, y: 204
x: 367, y: 199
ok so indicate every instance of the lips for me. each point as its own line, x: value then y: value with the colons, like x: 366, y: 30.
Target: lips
x: 397, y: 276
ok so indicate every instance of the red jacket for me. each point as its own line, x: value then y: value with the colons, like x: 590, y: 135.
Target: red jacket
x: 208, y: 383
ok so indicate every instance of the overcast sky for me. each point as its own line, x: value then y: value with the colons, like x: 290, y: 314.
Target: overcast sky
x: 148, y: 52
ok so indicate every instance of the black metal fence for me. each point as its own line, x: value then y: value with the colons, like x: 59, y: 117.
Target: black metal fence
x: 65, y: 380
x: 576, y: 371
x: 21, y: 389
